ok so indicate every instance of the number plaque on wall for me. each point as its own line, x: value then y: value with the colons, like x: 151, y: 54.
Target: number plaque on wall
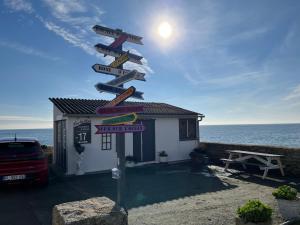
x: 82, y: 132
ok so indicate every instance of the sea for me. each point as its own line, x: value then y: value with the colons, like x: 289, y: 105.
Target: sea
x: 286, y: 135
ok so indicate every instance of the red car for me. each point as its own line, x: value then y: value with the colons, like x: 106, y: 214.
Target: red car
x: 22, y: 159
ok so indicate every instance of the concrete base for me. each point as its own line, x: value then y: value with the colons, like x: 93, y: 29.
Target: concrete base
x: 289, y: 209
x: 96, y: 211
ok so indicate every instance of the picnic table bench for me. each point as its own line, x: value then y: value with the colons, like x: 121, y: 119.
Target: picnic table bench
x: 266, y: 160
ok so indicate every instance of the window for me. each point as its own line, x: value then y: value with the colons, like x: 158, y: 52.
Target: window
x: 187, y: 129
x: 106, y: 142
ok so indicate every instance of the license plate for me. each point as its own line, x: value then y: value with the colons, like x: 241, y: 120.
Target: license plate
x: 14, y: 177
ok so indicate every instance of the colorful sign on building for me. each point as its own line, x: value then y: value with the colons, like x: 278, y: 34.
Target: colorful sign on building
x: 110, y: 129
x: 118, y: 110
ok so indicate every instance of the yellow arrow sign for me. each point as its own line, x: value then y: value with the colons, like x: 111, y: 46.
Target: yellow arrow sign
x: 120, y: 60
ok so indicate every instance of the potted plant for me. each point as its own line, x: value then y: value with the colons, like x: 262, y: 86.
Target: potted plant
x: 163, y: 157
x: 254, y: 212
x: 130, y: 161
x: 198, y: 159
x: 288, y: 202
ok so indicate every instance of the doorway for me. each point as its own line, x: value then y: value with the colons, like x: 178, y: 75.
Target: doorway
x: 144, y: 142
x: 60, y: 144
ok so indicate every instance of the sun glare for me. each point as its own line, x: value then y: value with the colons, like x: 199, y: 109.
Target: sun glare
x: 165, y: 30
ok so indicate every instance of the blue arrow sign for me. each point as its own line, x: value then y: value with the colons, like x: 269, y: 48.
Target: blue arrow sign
x: 116, y: 90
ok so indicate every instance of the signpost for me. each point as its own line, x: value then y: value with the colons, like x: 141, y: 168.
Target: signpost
x: 115, y: 86
x: 106, y: 50
x: 117, y: 110
x: 123, y: 79
x: 99, y: 68
x: 122, y: 97
x: 123, y: 119
x: 117, y: 33
x: 101, y: 129
x: 116, y: 90
x: 120, y: 60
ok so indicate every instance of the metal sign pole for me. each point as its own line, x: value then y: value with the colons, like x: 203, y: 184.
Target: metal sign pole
x: 120, y: 147
x: 115, y: 86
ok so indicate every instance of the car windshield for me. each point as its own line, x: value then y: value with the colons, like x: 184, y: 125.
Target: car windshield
x: 16, y: 148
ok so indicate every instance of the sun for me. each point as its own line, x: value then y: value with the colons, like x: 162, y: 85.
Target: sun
x: 165, y: 30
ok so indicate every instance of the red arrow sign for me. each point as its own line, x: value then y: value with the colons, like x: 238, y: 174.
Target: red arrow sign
x: 118, y: 110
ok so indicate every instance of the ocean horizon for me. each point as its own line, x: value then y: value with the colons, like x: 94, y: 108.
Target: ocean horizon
x: 285, y: 135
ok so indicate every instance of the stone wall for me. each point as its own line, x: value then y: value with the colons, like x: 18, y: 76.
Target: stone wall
x: 291, y: 158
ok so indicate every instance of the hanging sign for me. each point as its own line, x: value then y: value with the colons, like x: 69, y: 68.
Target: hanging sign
x: 82, y: 132
x: 123, y: 119
x: 123, y: 79
x: 119, y: 41
x: 117, y: 110
x: 122, y: 97
x: 102, y: 129
x: 117, y: 90
x: 115, y: 33
x: 120, y: 60
x: 117, y: 53
x: 99, y: 68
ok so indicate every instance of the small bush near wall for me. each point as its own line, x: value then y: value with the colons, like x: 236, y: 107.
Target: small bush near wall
x: 255, y: 211
x: 285, y: 192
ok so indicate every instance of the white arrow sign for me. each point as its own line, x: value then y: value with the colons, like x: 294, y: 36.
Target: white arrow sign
x: 99, y: 68
x: 123, y: 79
x: 117, y: 33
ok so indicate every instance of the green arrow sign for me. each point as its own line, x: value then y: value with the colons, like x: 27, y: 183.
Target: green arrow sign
x: 127, y: 118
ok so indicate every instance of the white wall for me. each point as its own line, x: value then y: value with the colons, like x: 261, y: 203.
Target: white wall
x: 167, y: 139
x: 94, y: 158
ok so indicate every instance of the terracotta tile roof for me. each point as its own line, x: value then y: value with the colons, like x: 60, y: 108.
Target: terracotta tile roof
x: 88, y: 107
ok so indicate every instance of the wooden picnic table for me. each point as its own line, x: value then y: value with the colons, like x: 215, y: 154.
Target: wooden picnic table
x: 266, y: 160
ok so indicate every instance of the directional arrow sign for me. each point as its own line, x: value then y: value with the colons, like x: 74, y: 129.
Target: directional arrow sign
x: 120, y: 60
x: 101, y: 129
x: 118, y: 42
x: 123, y: 79
x: 117, y: 53
x: 116, y: 90
x: 99, y: 68
x: 123, y: 119
x: 117, y: 33
x: 122, y: 97
x: 117, y: 110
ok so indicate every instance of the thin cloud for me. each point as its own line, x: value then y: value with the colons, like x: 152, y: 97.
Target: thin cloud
x: 294, y: 94
x: 71, y: 38
x: 27, y: 50
x: 19, y: 5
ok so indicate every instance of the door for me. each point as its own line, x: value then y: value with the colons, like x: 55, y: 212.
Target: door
x: 60, y: 144
x: 144, y: 142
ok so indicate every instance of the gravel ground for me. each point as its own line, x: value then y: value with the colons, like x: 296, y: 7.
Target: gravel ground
x: 208, y: 208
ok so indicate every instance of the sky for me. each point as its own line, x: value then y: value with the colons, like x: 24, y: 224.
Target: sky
x: 236, y: 62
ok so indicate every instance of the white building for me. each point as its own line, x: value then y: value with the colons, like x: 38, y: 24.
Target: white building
x: 168, y: 128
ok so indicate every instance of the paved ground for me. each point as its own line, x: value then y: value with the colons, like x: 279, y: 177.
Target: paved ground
x: 155, y: 195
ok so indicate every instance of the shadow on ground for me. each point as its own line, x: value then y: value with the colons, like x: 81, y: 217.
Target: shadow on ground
x: 26, y: 204
x: 254, y: 175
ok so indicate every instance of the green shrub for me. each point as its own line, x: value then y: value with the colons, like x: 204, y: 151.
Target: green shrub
x: 255, y: 211
x: 285, y: 192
